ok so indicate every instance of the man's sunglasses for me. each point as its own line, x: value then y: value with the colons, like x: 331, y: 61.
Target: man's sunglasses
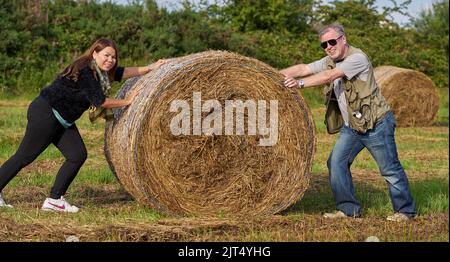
x: 332, y: 42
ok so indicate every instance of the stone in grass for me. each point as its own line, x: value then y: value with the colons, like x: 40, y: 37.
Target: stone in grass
x: 72, y: 239
x: 372, y: 239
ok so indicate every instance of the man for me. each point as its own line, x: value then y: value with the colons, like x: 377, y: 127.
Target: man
x: 356, y: 109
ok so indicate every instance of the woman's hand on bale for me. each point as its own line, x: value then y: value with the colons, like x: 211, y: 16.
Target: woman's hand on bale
x: 132, y: 94
x: 157, y: 64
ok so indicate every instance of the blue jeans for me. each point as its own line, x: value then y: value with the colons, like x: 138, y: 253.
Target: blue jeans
x: 381, y: 144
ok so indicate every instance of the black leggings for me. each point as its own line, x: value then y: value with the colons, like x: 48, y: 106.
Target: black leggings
x: 42, y: 129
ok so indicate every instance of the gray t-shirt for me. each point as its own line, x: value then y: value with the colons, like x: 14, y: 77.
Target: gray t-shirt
x: 355, y: 65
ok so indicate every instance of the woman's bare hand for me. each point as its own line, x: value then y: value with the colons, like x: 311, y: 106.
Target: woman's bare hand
x: 133, y: 93
x: 157, y: 64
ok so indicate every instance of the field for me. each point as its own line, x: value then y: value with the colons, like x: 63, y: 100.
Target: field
x: 110, y: 214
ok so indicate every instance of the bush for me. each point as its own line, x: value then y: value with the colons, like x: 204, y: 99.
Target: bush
x: 35, y: 46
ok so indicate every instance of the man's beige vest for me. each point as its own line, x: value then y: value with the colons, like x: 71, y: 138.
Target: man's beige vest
x: 365, y: 104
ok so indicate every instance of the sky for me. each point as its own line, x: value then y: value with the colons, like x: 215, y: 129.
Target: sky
x: 415, y: 7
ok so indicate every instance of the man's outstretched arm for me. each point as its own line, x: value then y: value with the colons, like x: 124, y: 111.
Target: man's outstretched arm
x: 295, y: 71
x: 324, y: 77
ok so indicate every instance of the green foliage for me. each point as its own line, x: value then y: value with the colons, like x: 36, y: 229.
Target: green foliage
x: 268, y: 15
x: 37, y: 43
x: 352, y: 13
x: 434, y: 25
x: 432, y: 39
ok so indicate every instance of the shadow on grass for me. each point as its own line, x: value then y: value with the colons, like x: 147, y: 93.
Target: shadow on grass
x: 431, y: 196
x: 441, y: 123
x: 100, y: 196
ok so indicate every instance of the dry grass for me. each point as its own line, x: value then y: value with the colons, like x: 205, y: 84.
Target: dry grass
x: 275, y: 228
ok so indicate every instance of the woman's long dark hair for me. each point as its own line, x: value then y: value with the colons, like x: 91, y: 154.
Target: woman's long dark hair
x: 73, y: 70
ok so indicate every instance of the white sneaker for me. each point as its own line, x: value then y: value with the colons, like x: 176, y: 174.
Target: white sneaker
x: 3, y: 203
x: 60, y: 205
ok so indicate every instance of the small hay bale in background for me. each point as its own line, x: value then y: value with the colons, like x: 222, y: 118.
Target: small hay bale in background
x: 411, y: 95
x: 210, y: 174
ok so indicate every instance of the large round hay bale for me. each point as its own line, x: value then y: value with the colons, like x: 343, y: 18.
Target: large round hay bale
x: 201, y: 174
x: 411, y: 95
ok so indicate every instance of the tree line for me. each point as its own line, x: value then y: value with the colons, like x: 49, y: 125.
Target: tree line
x: 38, y: 38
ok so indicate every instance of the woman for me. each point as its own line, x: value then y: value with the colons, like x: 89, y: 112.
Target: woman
x: 52, y: 115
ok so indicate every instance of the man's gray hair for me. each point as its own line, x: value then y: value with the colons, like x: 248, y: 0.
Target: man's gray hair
x: 336, y: 27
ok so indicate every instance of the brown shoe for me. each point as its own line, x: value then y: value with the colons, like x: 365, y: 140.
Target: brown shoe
x: 335, y: 215
x: 398, y: 217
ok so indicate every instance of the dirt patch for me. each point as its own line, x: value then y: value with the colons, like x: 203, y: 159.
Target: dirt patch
x: 103, y: 195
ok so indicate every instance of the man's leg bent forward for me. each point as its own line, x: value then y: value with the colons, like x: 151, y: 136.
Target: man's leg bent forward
x: 381, y: 144
x: 344, y: 152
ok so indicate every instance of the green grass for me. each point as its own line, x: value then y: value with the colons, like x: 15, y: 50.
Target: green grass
x: 315, y: 201
x: 318, y: 168
x: 442, y: 118
x: 96, y: 176
x: 313, y: 96
x: 431, y: 196
x: 38, y: 179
